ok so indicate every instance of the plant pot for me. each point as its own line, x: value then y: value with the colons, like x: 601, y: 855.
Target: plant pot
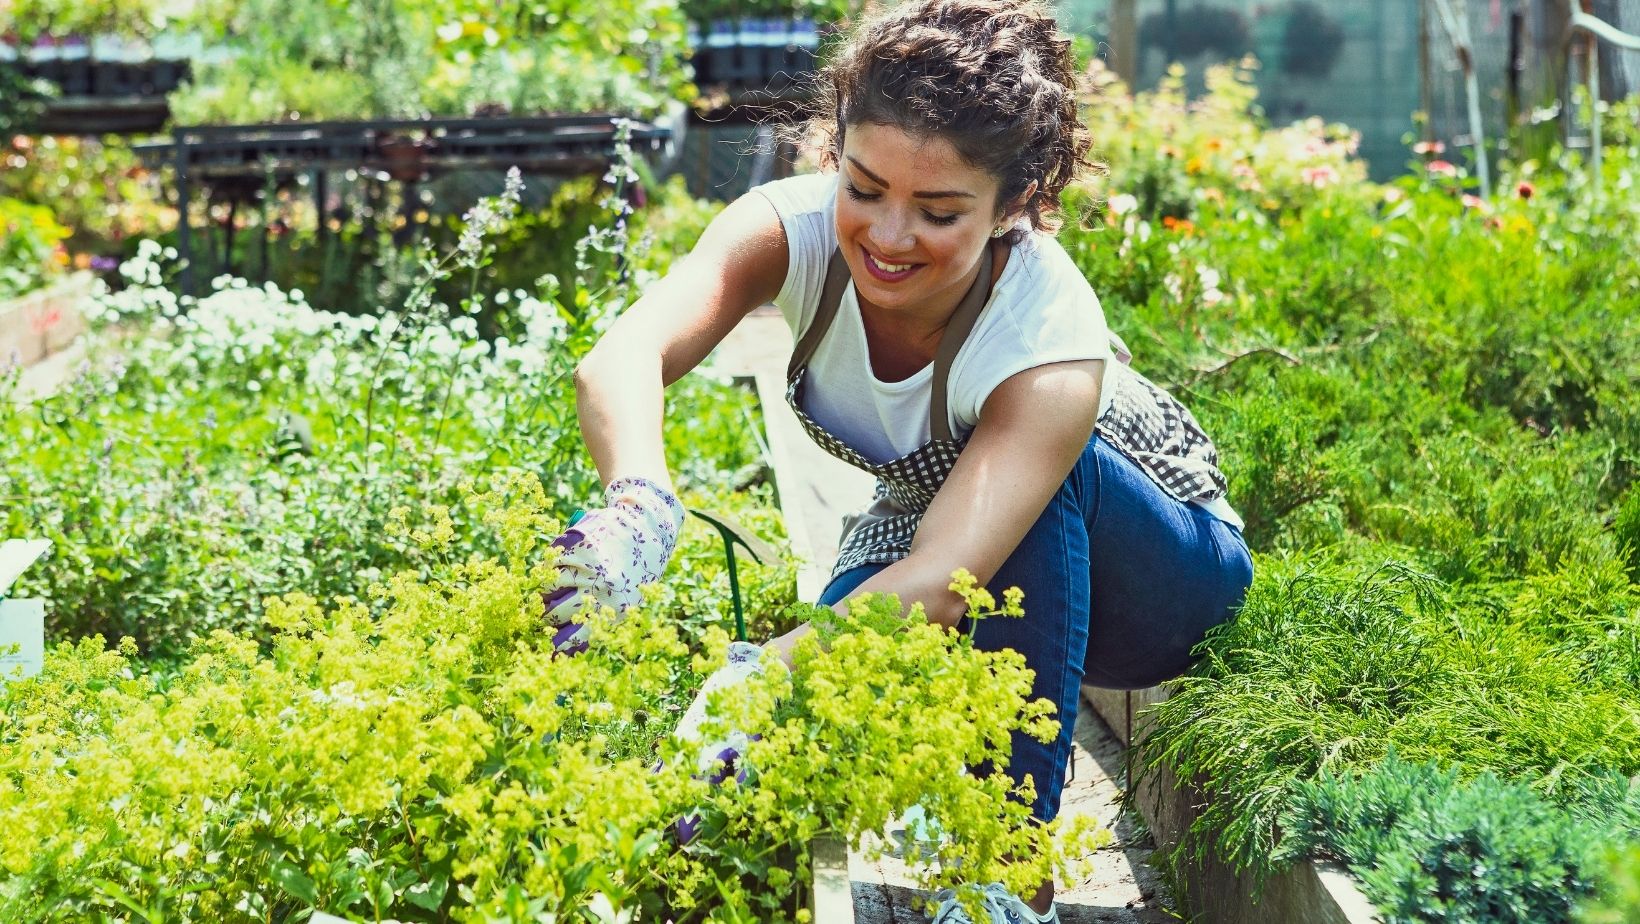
x: 404, y: 159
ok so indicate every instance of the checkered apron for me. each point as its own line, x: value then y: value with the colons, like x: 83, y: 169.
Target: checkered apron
x: 1143, y: 422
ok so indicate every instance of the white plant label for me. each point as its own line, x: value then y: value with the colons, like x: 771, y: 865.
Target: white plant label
x: 15, y: 557
x: 23, y: 625
x: 22, y: 622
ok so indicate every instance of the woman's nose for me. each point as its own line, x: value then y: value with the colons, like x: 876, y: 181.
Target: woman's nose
x: 891, y: 236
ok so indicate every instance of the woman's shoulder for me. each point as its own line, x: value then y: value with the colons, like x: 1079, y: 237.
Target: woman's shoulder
x: 1043, y: 285
x: 802, y: 194
x: 804, y: 205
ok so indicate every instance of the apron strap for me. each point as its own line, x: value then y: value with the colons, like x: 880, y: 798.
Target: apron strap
x: 956, y: 333
x: 831, y: 295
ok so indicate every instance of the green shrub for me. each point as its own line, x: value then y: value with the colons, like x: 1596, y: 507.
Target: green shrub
x: 1330, y: 666
x: 1617, y: 895
x: 1627, y: 526
x: 1427, y: 846
x: 248, y: 445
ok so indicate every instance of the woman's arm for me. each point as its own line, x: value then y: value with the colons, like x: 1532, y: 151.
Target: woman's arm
x: 739, y: 263
x: 1032, y: 430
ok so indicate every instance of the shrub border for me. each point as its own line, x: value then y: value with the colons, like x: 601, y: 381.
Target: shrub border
x: 1313, y: 891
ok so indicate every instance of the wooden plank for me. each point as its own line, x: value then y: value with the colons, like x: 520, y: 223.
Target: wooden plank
x: 1215, y: 893
x: 832, y: 894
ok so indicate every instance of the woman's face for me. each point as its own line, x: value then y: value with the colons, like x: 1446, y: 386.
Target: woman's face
x: 913, y: 204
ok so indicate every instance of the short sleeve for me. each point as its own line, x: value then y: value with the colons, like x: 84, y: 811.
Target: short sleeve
x: 805, y: 205
x: 1047, y: 314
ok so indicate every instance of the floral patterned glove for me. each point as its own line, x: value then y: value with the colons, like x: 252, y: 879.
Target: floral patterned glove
x: 719, y: 758
x: 610, y: 552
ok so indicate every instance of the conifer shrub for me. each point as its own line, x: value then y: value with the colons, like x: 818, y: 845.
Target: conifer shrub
x: 1431, y: 847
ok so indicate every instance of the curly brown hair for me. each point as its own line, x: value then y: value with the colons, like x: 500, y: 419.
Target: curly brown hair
x: 994, y: 78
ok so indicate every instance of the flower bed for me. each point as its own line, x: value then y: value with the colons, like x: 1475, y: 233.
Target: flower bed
x: 324, y: 538
x: 1426, y: 406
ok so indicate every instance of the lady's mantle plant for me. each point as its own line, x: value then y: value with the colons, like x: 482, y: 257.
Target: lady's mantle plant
x: 438, y: 762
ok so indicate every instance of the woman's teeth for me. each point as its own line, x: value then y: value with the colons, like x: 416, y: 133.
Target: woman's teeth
x: 889, y: 267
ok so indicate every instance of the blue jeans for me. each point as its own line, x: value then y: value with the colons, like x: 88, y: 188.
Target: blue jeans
x: 1121, y: 582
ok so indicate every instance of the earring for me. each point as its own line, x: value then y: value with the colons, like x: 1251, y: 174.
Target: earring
x: 999, y: 232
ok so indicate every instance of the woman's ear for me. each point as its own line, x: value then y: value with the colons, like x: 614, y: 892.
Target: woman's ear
x: 1017, y: 210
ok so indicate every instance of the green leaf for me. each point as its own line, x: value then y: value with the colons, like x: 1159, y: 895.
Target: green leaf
x: 295, y: 882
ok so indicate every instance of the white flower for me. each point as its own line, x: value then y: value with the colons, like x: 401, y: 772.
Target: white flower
x: 1123, y: 203
x: 1174, y: 286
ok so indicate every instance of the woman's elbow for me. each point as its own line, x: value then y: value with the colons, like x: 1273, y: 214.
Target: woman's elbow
x: 593, y: 368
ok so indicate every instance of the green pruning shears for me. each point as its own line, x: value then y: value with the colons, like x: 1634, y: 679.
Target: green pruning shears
x: 733, y: 534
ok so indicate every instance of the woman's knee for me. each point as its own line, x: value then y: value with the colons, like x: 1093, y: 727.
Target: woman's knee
x: 846, y: 583
x: 1135, y: 647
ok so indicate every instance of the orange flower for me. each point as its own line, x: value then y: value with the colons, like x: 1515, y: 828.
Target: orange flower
x: 1183, y: 226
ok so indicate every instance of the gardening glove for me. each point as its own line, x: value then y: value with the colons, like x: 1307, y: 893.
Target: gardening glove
x: 609, y: 553
x: 720, y: 757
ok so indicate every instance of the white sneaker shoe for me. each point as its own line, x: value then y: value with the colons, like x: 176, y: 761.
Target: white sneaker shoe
x: 1001, y: 905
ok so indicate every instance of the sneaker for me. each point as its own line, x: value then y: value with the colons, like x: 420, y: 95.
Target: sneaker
x: 1002, y: 906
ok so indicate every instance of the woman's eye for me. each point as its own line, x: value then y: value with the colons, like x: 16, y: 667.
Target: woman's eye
x: 859, y: 196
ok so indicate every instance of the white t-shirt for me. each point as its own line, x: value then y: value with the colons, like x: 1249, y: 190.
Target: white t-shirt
x: 1041, y: 310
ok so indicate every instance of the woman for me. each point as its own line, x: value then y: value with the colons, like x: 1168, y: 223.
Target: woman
x: 947, y: 345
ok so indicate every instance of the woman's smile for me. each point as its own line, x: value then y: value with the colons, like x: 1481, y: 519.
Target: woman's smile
x: 884, y: 271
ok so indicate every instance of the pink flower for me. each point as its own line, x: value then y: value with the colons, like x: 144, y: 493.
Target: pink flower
x: 1441, y: 168
x: 1319, y: 177
x: 1476, y: 203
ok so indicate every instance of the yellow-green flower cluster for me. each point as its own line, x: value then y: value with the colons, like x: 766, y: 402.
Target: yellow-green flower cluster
x: 429, y: 758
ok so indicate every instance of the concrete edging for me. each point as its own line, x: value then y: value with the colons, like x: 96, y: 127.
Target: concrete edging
x: 1308, y: 893
x: 45, y: 321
